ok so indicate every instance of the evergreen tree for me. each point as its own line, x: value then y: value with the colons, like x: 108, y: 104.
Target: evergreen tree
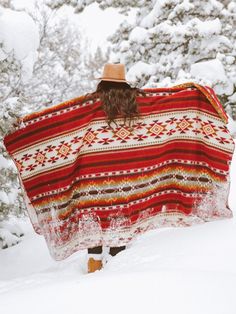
x: 80, y: 5
x: 59, y: 69
x: 173, y: 41
x: 11, y: 70
x: 94, y: 65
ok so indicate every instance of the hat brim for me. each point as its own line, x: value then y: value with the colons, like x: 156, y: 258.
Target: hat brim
x: 110, y: 79
x: 113, y: 80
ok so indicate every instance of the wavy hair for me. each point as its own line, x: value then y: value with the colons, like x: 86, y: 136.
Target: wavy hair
x: 118, y: 100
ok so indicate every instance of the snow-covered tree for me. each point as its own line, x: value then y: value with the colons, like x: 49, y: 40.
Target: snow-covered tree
x: 173, y: 41
x: 18, y: 50
x: 94, y: 64
x: 80, y: 5
x: 63, y: 67
x: 59, y: 67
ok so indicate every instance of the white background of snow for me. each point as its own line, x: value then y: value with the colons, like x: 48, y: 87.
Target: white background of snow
x: 19, y: 34
x: 166, y: 271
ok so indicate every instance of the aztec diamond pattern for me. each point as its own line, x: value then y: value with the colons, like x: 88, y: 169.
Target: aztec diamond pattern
x: 122, y: 134
x: 63, y: 150
x: 40, y: 157
x: 208, y: 129
x: 157, y: 129
x: 166, y: 127
x: 184, y: 125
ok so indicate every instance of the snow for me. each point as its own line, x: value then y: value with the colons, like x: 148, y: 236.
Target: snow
x: 231, y: 126
x: 232, y: 98
x: 4, y: 163
x: 159, y: 6
x: 182, y: 7
x: 12, y: 196
x: 20, y: 35
x: 215, y: 42
x: 232, y: 6
x: 213, y: 71
x: 10, y: 234
x: 12, y: 227
x: 172, y: 270
x: 207, y: 28
x: 7, y: 238
x: 204, y: 27
x: 138, y: 34
x: 3, y: 197
x: 23, y: 5
x: 140, y: 69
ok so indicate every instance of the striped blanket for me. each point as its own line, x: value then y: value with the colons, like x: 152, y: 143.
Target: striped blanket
x: 89, y: 184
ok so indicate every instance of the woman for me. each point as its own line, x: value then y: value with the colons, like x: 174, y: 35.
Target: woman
x: 118, y: 100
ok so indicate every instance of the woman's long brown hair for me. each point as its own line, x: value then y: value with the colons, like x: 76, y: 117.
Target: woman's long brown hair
x: 118, y: 99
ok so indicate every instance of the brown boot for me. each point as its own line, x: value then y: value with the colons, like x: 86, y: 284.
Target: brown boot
x: 94, y: 265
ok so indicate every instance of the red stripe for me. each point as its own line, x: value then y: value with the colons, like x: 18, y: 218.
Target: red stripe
x: 34, y: 133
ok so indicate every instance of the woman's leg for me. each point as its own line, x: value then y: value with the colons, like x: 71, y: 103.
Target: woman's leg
x: 95, y: 250
x: 115, y: 250
x: 94, y: 259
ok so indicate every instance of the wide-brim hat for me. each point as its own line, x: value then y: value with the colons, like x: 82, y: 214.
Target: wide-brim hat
x: 114, y: 72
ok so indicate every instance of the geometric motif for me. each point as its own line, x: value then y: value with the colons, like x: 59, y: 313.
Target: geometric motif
x: 64, y: 150
x: 140, y: 137
x: 122, y: 134
x: 31, y: 167
x: 157, y: 129
x: 222, y: 140
x: 40, y: 157
x: 76, y: 139
x: 208, y: 129
x: 53, y: 159
x: 50, y: 148
x: 105, y: 141
x: 90, y: 137
x: 184, y: 125
x: 26, y: 157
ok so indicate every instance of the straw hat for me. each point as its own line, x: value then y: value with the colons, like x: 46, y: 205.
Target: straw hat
x: 114, y: 72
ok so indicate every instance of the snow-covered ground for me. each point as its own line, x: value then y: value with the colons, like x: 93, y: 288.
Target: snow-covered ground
x: 182, y: 270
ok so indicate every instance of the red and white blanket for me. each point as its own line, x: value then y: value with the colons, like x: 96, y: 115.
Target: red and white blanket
x: 89, y: 184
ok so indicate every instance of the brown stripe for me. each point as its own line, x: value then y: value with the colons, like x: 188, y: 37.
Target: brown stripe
x: 77, y: 196
x: 139, y: 185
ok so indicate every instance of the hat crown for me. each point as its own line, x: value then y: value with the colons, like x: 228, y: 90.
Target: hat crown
x: 114, y: 72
